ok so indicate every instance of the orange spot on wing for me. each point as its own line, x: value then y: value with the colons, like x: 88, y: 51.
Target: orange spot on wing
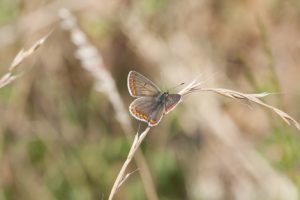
x: 132, y: 86
x: 152, y: 121
x: 139, y: 114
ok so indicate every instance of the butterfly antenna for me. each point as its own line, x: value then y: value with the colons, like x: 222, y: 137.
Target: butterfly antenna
x: 176, y: 86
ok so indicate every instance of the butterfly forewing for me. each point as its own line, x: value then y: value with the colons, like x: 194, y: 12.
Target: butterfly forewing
x: 147, y: 109
x: 139, y: 85
x: 171, y: 101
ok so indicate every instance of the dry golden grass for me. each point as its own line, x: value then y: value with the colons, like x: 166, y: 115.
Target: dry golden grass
x: 11, y: 75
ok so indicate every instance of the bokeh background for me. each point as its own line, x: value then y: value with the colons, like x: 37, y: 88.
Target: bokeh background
x: 65, y: 131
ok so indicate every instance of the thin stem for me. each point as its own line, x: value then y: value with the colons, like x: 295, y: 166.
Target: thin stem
x: 121, y: 176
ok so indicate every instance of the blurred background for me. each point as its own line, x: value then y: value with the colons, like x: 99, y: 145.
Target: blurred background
x: 65, y: 129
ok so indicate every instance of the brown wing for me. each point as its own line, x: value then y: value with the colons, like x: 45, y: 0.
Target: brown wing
x: 171, y: 102
x: 146, y: 109
x: 139, y: 85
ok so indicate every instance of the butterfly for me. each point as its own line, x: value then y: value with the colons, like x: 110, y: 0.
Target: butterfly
x: 151, y: 103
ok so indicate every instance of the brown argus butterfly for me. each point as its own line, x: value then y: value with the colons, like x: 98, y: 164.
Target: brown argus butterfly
x: 151, y: 103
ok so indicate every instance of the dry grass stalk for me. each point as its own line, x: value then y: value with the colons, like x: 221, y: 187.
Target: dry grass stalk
x: 122, y: 177
x: 194, y: 87
x: 20, y: 57
x: 92, y: 61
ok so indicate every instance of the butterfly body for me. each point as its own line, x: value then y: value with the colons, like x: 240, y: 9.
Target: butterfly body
x: 151, y: 103
x: 161, y: 98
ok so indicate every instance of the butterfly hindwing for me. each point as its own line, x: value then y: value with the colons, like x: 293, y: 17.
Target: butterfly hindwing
x: 139, y: 85
x: 147, y: 109
x: 156, y: 115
